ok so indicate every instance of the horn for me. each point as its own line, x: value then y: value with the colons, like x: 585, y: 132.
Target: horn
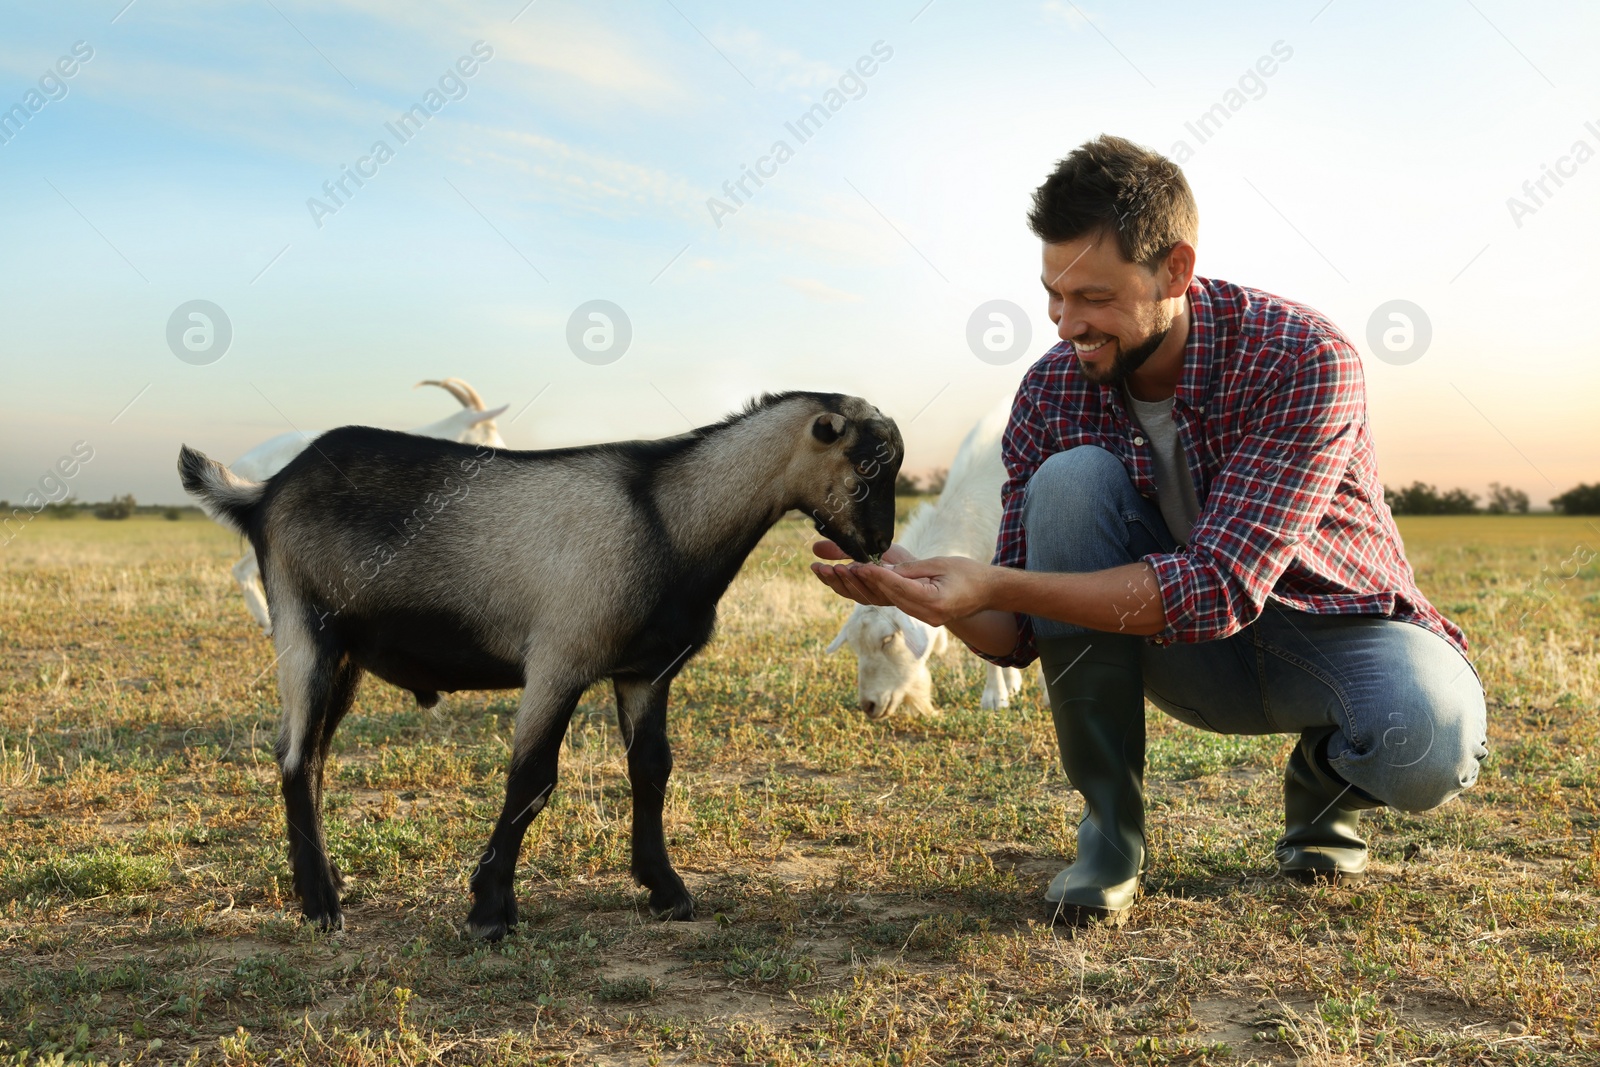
x: 472, y: 394
x: 453, y: 387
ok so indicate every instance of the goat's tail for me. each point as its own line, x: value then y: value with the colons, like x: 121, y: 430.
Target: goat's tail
x: 225, y: 496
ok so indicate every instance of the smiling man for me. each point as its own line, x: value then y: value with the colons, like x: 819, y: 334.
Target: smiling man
x: 1193, y: 515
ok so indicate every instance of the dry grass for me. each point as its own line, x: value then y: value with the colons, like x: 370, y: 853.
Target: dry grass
x: 868, y: 893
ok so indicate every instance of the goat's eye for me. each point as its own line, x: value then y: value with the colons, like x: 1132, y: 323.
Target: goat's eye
x: 887, y: 641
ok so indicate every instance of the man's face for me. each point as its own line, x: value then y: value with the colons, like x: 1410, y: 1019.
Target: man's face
x: 1115, y: 313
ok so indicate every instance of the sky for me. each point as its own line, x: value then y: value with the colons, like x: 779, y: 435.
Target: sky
x: 1357, y: 154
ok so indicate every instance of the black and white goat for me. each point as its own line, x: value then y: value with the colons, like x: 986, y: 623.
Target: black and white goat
x: 440, y: 566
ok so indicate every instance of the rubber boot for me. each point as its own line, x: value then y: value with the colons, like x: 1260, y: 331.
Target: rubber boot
x: 1321, y: 812
x: 1096, y: 690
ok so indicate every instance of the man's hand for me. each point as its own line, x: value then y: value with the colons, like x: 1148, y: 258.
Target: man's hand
x: 978, y: 602
x: 938, y: 591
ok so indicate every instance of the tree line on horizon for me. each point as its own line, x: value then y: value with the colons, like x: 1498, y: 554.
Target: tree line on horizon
x: 1420, y: 498
x: 118, y: 507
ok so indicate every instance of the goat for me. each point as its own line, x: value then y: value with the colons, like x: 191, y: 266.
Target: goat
x: 892, y: 648
x: 471, y: 425
x: 438, y: 566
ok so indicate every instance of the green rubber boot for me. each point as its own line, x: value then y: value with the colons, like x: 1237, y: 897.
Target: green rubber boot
x: 1321, y: 811
x: 1096, y: 690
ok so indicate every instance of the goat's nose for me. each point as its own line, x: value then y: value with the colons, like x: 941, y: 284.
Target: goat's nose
x: 870, y: 707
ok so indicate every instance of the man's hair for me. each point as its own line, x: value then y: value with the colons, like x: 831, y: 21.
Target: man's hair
x: 1111, y: 185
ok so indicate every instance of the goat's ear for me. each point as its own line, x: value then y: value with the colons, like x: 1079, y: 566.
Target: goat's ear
x: 838, y: 642
x: 828, y: 428
x: 479, y: 417
x: 918, y: 634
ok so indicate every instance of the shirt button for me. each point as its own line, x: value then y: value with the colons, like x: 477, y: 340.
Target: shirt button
x: 1138, y: 440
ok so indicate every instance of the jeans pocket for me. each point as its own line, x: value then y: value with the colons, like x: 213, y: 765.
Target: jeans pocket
x: 1212, y: 686
x: 1243, y: 718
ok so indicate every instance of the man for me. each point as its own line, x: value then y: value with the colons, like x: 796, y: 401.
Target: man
x: 1193, y: 514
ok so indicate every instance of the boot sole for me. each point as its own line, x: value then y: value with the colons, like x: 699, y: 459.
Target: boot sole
x: 1083, y: 915
x: 1312, y: 876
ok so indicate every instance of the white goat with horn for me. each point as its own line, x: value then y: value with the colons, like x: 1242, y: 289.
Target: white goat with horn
x: 892, y: 648
x: 472, y: 425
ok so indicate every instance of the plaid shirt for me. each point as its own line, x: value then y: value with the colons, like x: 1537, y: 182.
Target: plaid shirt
x: 1272, y: 413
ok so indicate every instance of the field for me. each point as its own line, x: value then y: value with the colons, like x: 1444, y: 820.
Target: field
x: 869, y: 894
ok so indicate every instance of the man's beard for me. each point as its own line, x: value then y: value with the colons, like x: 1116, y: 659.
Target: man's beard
x: 1130, y: 360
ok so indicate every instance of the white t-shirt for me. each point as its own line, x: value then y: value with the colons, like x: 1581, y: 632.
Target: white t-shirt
x: 1175, y: 493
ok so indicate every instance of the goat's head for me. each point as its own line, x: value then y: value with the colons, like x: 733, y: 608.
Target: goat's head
x: 472, y: 425
x: 844, y: 472
x: 892, y: 651
x: 481, y: 428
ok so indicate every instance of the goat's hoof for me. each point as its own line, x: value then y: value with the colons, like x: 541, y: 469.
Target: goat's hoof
x: 675, y: 905
x: 320, y: 902
x: 492, y: 916
x: 325, y: 920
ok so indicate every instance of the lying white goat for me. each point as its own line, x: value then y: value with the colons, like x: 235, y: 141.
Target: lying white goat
x: 471, y: 425
x: 892, y: 648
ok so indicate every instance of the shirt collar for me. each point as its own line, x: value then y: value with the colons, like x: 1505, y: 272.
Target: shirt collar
x: 1200, y: 349
x: 1199, y: 353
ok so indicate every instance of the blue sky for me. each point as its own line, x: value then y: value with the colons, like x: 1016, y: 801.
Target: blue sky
x: 1375, y: 163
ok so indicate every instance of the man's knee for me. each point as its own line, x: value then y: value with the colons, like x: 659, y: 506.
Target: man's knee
x: 1077, y: 512
x: 1427, y: 753
x: 1074, y: 489
x: 1079, y: 475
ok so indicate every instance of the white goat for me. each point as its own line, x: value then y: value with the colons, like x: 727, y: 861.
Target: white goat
x: 471, y: 425
x: 892, y: 648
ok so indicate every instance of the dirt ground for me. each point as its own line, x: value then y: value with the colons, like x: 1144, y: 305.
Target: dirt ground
x: 867, y: 893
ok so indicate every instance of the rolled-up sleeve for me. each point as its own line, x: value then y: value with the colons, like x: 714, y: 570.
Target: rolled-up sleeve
x: 1271, y: 494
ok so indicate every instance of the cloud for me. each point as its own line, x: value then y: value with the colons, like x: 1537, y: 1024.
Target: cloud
x: 1068, y: 13
x: 827, y: 294
x: 838, y: 229
x: 601, y: 183
x: 773, y: 65
x: 562, y: 42
x: 594, y: 55
x: 271, y: 109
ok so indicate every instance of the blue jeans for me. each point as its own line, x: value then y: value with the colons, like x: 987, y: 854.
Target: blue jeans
x: 1408, y: 708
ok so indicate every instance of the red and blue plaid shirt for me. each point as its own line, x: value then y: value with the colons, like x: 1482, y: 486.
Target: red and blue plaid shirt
x: 1272, y: 413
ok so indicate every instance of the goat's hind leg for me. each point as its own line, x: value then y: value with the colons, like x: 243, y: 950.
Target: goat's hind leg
x: 535, y: 754
x: 317, y: 684
x: 642, y: 714
x: 247, y: 572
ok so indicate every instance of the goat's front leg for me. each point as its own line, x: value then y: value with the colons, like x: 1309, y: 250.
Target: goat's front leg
x: 642, y: 714
x: 995, y: 694
x: 535, y: 752
x: 1013, y: 680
